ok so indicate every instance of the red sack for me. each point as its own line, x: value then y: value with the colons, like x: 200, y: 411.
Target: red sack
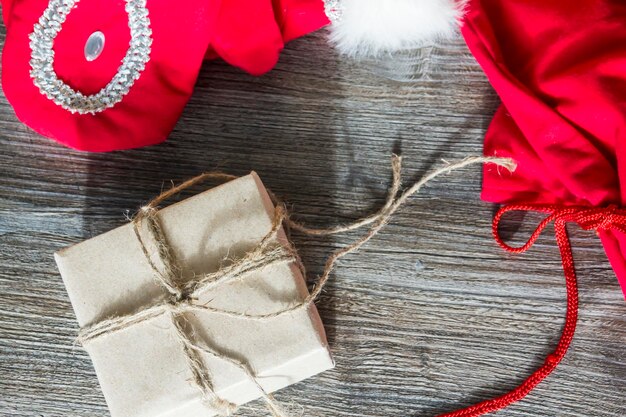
x: 560, y: 70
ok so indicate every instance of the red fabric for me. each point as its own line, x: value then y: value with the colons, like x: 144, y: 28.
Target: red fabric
x: 250, y: 34
x: 6, y: 10
x: 560, y: 70
x: 246, y: 33
x: 299, y: 17
x: 149, y: 111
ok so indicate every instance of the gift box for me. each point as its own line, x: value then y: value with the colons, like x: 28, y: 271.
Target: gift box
x: 146, y: 366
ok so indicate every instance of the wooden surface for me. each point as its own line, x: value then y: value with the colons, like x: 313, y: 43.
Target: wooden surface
x: 429, y: 316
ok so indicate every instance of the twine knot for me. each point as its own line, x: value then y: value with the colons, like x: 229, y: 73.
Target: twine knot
x: 181, y: 298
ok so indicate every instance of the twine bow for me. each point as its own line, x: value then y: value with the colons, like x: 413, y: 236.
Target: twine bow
x: 181, y: 298
x: 588, y: 218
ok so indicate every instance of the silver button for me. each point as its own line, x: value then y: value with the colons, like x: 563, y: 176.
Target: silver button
x: 94, y: 46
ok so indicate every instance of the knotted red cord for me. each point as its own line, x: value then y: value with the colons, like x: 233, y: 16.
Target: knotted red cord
x: 609, y: 218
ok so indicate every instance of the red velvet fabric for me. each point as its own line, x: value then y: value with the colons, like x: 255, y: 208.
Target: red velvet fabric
x: 248, y: 34
x: 560, y: 69
x: 6, y: 10
x: 299, y: 17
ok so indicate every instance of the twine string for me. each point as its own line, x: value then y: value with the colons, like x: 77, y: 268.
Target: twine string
x: 181, y: 298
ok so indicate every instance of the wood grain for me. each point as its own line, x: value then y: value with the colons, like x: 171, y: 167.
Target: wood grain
x: 428, y: 317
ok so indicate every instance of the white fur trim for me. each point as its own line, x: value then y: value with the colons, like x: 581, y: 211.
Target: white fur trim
x: 370, y: 27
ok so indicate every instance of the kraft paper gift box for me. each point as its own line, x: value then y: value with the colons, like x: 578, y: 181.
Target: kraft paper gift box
x: 142, y: 369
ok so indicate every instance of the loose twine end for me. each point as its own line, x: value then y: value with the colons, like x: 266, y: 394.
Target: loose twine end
x: 507, y: 163
x: 222, y: 407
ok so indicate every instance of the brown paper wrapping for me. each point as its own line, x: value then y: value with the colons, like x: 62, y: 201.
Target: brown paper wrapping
x: 142, y: 369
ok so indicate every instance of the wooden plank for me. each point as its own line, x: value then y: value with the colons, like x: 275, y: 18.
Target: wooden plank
x: 430, y: 316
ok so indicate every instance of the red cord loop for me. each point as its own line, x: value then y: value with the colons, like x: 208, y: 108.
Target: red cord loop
x: 588, y: 218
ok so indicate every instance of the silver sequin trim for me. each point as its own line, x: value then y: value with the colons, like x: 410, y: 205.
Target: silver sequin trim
x: 42, y: 58
x: 334, y: 10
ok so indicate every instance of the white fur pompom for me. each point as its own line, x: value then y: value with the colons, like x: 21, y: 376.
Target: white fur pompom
x: 370, y: 27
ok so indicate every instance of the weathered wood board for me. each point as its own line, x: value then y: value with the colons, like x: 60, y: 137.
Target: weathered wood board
x: 431, y: 315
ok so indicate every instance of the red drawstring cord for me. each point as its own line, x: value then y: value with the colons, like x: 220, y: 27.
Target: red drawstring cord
x: 589, y: 219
